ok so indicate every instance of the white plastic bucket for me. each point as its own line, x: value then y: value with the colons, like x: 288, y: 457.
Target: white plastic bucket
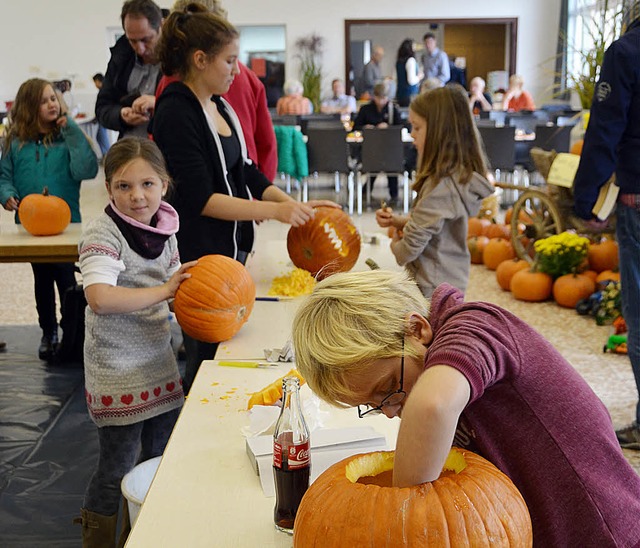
x: 136, y: 483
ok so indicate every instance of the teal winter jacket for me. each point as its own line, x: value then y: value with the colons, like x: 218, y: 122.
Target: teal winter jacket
x: 26, y: 168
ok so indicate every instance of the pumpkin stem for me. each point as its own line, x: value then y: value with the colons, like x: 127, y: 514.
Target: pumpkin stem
x: 45, y: 191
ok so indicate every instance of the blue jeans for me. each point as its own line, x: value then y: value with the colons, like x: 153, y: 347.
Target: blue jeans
x: 628, y: 235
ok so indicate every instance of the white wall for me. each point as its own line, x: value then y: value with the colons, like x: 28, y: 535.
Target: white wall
x: 69, y: 37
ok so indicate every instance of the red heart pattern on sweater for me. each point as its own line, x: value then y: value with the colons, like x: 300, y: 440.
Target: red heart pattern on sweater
x: 156, y: 391
x: 107, y: 400
x: 144, y: 395
x: 126, y: 399
x: 170, y: 386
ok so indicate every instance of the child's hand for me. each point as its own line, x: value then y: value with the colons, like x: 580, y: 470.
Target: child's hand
x: 327, y: 203
x: 178, y: 277
x: 294, y: 213
x: 11, y: 204
x: 61, y: 121
x: 384, y: 217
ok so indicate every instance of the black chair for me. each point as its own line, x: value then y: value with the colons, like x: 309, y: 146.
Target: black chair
x: 525, y: 122
x: 319, y: 121
x: 485, y: 122
x: 382, y: 151
x: 328, y: 152
x: 553, y: 138
x: 286, y: 120
x: 500, y: 147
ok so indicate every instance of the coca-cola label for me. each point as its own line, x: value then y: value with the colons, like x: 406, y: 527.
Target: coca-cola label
x: 297, y: 456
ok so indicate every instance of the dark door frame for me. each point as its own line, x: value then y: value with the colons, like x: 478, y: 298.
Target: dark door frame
x: 512, y: 23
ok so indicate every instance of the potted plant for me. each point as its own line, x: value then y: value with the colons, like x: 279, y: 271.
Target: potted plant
x: 310, y: 51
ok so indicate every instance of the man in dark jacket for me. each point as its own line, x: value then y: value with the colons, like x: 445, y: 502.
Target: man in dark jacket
x: 126, y: 100
x: 612, y: 143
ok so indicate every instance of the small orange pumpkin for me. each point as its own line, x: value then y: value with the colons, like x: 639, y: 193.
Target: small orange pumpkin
x: 476, y: 245
x: 476, y: 226
x: 608, y: 275
x: 326, y: 244
x: 603, y: 255
x: 353, y: 503
x: 497, y: 230
x: 44, y: 214
x: 571, y: 288
x: 531, y: 286
x: 214, y: 303
x: 496, y: 251
x: 507, y: 269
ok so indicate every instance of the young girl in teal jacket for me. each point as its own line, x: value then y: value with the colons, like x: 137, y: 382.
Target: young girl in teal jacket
x: 45, y: 148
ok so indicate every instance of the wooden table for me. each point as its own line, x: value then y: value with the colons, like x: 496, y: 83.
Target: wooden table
x: 18, y: 246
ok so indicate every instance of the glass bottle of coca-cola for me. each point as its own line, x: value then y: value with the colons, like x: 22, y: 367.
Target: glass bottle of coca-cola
x: 291, y: 456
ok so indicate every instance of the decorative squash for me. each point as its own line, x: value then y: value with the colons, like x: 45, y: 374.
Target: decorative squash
x: 523, y: 216
x: 326, y: 244
x: 497, y: 230
x: 476, y: 226
x: 44, y: 214
x: 213, y: 304
x: 590, y: 274
x: 507, y: 269
x: 476, y: 245
x: 531, y: 286
x: 571, y: 288
x: 271, y: 393
x: 353, y: 503
x: 496, y: 251
x: 576, y: 148
x: 603, y: 255
x: 607, y: 275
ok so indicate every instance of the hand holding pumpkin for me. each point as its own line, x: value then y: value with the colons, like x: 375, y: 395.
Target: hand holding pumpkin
x: 384, y: 217
x: 293, y: 213
x: 178, y: 277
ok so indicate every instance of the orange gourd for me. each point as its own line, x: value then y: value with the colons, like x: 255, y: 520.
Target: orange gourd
x: 214, y: 303
x: 353, y: 503
x: 608, y: 275
x: 603, y: 255
x: 497, y: 230
x: 507, y: 269
x: 571, y: 288
x: 476, y: 245
x: 326, y: 244
x: 476, y: 226
x: 576, y: 148
x: 44, y: 214
x: 531, y: 286
x: 496, y: 251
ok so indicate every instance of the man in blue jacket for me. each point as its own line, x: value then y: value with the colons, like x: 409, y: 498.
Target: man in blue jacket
x: 612, y: 143
x: 126, y: 100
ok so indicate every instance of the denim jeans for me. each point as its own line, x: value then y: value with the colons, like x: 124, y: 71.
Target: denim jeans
x: 628, y: 235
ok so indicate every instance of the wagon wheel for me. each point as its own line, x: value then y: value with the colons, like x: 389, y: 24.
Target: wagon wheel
x: 540, y: 217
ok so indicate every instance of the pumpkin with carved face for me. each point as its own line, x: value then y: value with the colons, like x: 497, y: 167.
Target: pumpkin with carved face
x: 326, y: 244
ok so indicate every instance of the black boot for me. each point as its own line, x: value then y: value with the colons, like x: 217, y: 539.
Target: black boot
x: 48, y: 346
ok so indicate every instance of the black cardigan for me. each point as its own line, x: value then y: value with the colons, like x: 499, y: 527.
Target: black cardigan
x: 195, y: 164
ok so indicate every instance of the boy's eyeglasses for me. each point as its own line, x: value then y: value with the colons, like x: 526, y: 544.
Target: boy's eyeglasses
x: 392, y: 399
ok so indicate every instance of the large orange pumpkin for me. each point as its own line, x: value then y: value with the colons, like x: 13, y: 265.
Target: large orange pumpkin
x: 603, y: 255
x: 353, y: 503
x: 213, y: 304
x: 607, y: 275
x: 571, y: 288
x: 44, y: 214
x: 527, y: 285
x: 326, y: 244
x: 507, y: 269
x: 496, y: 251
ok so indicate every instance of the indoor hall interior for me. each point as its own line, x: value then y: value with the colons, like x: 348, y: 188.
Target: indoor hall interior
x: 49, y: 444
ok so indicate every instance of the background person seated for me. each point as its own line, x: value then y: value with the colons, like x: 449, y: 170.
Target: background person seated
x: 516, y: 98
x: 339, y: 102
x: 293, y: 101
x: 479, y: 99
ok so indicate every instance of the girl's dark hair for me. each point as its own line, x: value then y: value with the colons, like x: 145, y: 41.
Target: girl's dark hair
x: 131, y: 148
x: 405, y: 50
x: 453, y: 146
x: 25, y: 113
x: 189, y: 30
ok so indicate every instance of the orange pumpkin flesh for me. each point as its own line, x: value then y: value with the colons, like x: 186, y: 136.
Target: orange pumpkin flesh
x: 214, y: 303
x: 326, y: 244
x: 353, y: 503
x: 44, y: 214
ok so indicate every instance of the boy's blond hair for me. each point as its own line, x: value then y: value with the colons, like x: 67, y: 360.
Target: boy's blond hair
x: 349, y: 321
